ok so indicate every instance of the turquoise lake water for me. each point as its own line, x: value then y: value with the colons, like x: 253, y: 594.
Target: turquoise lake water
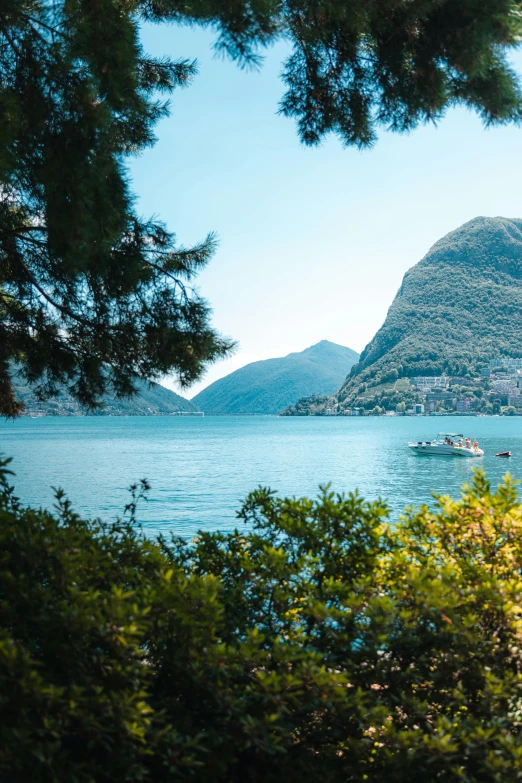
x: 201, y: 468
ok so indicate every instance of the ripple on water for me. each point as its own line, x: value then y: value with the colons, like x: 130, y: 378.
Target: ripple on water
x: 201, y: 468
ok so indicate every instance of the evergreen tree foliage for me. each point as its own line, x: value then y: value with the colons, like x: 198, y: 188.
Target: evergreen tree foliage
x: 319, y: 642
x: 85, y: 283
x: 357, y: 65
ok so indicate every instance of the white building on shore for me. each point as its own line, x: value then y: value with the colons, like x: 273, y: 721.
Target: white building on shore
x: 512, y: 364
x: 429, y: 382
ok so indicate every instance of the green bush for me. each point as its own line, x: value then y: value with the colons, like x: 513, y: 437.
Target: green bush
x: 318, y: 642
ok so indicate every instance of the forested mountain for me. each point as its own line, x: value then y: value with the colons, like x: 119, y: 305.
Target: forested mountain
x: 151, y: 400
x: 269, y: 386
x: 458, y: 307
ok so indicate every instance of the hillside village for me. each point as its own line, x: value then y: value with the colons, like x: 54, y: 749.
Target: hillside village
x: 496, y: 390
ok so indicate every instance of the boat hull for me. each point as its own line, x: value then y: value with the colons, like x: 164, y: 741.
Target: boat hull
x: 443, y: 450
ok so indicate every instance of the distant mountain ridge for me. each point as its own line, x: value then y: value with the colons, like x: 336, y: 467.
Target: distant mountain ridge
x: 460, y: 306
x: 151, y: 400
x: 270, y: 385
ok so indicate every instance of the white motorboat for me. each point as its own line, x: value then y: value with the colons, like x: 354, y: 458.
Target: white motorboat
x: 446, y: 444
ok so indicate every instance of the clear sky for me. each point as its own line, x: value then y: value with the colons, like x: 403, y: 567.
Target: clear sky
x: 313, y: 241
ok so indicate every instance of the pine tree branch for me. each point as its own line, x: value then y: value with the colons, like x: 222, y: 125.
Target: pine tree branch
x: 12, y: 44
x: 33, y: 240
x: 60, y: 307
x: 52, y: 30
x: 24, y: 229
x: 175, y: 279
x: 40, y: 36
x: 6, y: 295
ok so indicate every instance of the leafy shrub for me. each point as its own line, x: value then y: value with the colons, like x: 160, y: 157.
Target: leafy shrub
x: 391, y: 375
x: 319, y: 642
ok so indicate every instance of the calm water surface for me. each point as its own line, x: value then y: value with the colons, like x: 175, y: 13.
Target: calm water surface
x: 201, y: 468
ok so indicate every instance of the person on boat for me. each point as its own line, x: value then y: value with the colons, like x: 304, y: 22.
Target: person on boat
x: 468, y: 443
x: 475, y: 445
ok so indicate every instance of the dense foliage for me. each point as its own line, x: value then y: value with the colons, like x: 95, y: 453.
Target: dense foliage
x: 311, y: 405
x: 357, y: 66
x: 459, y: 307
x: 270, y: 385
x: 317, y: 642
x: 84, y: 281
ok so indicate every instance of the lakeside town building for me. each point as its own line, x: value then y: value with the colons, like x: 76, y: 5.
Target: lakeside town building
x: 430, y: 382
x: 499, y: 385
x: 505, y: 387
x: 508, y: 362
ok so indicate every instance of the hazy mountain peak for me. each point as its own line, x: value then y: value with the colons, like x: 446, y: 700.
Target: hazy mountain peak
x: 485, y: 242
x: 270, y: 385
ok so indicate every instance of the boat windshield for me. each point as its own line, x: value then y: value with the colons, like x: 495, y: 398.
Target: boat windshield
x: 451, y: 439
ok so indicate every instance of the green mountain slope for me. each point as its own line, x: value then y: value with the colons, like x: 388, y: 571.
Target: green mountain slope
x: 460, y: 306
x: 270, y: 385
x: 151, y: 400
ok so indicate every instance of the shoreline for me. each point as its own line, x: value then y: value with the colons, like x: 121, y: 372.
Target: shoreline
x: 202, y: 415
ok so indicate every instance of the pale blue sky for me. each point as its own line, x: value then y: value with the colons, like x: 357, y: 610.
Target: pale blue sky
x: 313, y: 241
